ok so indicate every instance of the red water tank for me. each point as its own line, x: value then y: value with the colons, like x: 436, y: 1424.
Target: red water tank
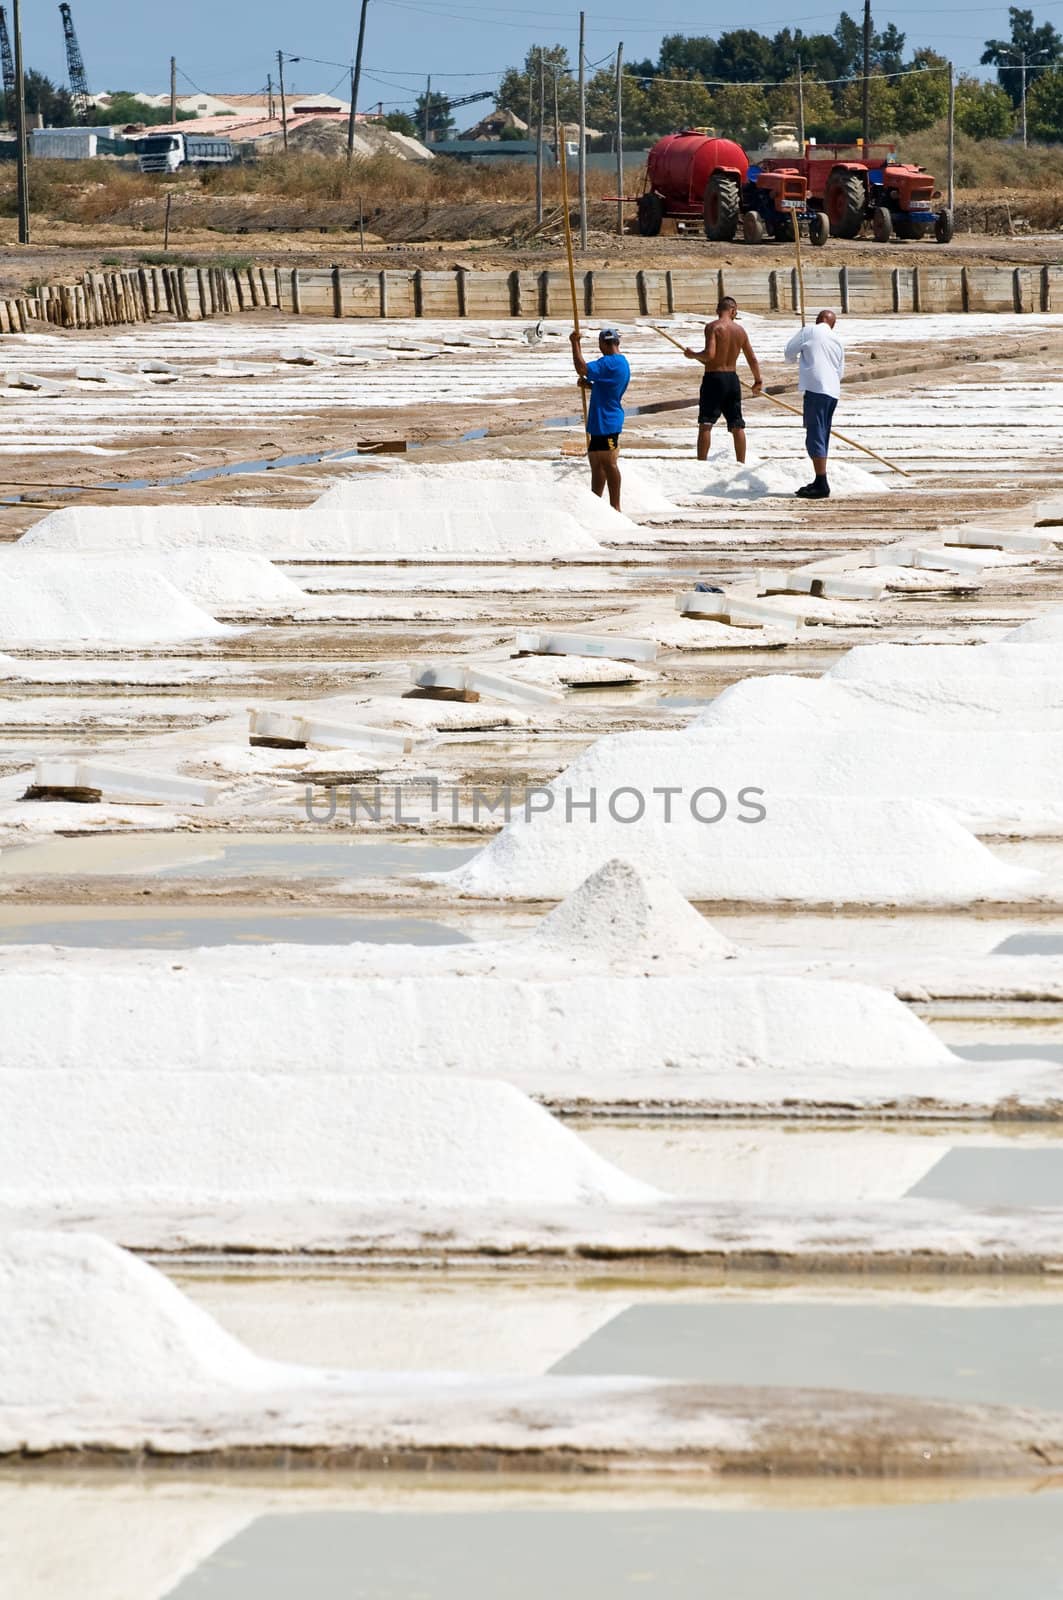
x: 680, y: 165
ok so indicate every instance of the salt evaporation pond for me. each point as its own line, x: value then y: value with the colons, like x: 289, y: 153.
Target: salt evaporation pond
x: 976, y: 1548
x: 310, y: 853
x: 148, y: 927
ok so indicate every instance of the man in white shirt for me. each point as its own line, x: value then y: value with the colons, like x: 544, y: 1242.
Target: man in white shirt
x: 820, y: 357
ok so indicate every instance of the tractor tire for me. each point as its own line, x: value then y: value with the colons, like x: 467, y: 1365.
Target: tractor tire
x: 753, y: 228
x: 818, y: 228
x: 650, y: 215
x: 721, y: 207
x: 846, y: 202
x: 943, y: 227
x: 881, y: 225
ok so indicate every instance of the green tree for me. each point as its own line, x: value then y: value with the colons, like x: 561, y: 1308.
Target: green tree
x: 687, y: 57
x: 49, y: 100
x: 667, y: 107
x: 883, y: 105
x: 1028, y: 43
x: 744, y: 56
x: 782, y: 102
x: 921, y: 98
x: 983, y: 110
x: 740, y: 112
x: 399, y: 122
x: 124, y: 108
x: 440, y: 121
x: 521, y: 82
x: 1044, y: 107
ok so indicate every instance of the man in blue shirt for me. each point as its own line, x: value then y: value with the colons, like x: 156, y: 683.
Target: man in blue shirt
x: 606, y: 379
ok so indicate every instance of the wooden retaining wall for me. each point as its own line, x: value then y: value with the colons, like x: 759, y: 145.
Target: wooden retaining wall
x: 103, y: 299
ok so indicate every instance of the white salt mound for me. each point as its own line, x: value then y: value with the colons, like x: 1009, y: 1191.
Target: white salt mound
x: 784, y: 478
x: 113, y: 602
x: 193, y: 1140
x: 980, y: 703
x: 1039, y: 630
x: 620, y: 915
x: 417, y: 492
x: 83, y: 1321
x: 222, y: 580
x: 444, y: 531
x: 914, y: 662
x: 821, y: 840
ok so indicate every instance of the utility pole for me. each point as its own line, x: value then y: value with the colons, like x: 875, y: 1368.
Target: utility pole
x: 269, y: 95
x: 284, y: 103
x: 800, y: 107
x: 620, y: 138
x: 20, y: 129
x: 950, y: 156
x: 867, y: 77
x: 583, y: 131
x: 427, y: 105
x: 539, y: 140
x: 356, y: 80
x: 173, y: 88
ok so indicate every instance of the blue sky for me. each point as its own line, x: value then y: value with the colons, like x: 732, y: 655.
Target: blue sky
x: 226, y: 46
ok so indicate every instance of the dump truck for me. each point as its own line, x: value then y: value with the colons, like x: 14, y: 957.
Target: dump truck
x: 694, y: 174
x: 169, y: 152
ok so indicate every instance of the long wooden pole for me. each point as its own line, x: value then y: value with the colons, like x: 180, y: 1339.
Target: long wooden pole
x: 620, y: 139
x: 844, y: 437
x: 21, y: 152
x: 800, y: 273
x: 568, y: 250
x: 582, y: 175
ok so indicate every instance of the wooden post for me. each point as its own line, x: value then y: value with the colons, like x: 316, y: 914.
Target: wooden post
x: 277, y: 288
x: 539, y: 140
x: 383, y: 294
x: 361, y: 226
x: 252, y: 286
x: 514, y: 293
x: 950, y: 152
x: 182, y: 293
x: 418, y: 293
x: 843, y: 288
x: 166, y: 224
x: 145, y: 292
x: 583, y: 135
x: 263, y: 283
x: 462, y: 275
x: 620, y: 139
x: 297, y: 304
x: 337, y: 292
x: 917, y: 297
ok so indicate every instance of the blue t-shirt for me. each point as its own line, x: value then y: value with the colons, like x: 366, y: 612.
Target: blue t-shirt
x: 610, y: 376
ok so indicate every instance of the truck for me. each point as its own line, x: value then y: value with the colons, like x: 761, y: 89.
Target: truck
x: 169, y: 152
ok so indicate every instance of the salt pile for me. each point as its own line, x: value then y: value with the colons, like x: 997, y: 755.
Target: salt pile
x: 1039, y: 630
x: 187, y: 1141
x: 916, y: 662
x: 979, y: 703
x: 114, y: 602
x: 620, y: 917
x: 218, y: 580
x: 82, y: 1321
x: 728, y: 481
x: 443, y: 532
x: 416, y: 493
x: 810, y: 845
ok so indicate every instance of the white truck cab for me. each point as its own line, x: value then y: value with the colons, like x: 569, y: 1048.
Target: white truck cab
x: 169, y: 152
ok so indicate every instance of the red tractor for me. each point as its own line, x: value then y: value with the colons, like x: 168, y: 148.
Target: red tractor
x: 854, y: 184
x: 691, y: 174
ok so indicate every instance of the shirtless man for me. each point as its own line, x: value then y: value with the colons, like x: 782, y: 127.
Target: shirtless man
x: 721, y: 392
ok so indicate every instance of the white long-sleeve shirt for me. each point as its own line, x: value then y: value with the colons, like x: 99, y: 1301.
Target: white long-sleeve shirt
x: 820, y: 357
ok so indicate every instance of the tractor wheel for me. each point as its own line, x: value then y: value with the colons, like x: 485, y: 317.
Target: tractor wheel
x: 721, y: 207
x: 881, y: 225
x: 846, y: 204
x: 943, y: 227
x: 753, y: 229
x: 818, y: 228
x: 650, y: 215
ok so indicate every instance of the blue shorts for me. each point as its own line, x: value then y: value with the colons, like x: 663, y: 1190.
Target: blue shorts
x: 818, y: 415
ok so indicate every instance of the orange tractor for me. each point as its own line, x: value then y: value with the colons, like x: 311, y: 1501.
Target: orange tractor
x: 831, y: 189
x: 858, y: 184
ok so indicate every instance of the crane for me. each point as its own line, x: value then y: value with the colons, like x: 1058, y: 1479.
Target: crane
x: 79, y: 88
x: 8, y: 62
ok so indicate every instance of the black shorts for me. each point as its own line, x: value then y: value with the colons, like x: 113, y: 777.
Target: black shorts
x: 721, y: 395
x: 602, y: 441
